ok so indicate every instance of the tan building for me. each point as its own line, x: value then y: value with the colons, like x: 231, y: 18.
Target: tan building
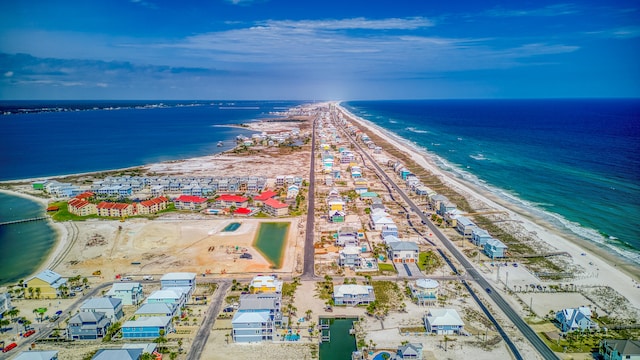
x: 115, y: 209
x: 81, y: 207
x: 48, y: 283
x: 152, y: 206
x: 274, y: 207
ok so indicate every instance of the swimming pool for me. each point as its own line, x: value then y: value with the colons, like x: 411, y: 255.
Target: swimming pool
x: 231, y: 227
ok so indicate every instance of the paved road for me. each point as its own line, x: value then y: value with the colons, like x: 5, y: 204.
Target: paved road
x: 209, y: 319
x: 309, y: 265
x: 533, y: 338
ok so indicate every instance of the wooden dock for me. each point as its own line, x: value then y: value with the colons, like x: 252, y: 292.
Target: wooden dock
x: 23, y: 220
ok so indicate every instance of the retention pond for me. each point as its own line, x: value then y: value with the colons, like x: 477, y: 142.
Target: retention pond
x: 341, y: 342
x: 271, y: 240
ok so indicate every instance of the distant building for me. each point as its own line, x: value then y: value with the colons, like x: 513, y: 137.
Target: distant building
x: 425, y: 291
x: 274, y: 207
x: 111, y: 209
x: 403, y: 252
x: 5, y: 303
x: 495, y: 249
x: 179, y: 279
x: 257, y: 318
x: 190, y: 202
x: 111, y: 307
x: 81, y: 207
x: 146, y: 327
x: 265, y: 284
x: 226, y: 200
x: 152, y: 206
x: 409, y: 352
x: 37, y: 355
x: 157, y: 309
x: 117, y: 354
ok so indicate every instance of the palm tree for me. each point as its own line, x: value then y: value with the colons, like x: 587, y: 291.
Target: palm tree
x: 38, y: 292
x: 3, y: 324
x: 13, y: 313
x: 308, y: 313
x: 25, y: 323
x: 30, y: 289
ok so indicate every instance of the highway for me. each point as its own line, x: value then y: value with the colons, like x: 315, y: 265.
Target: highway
x: 528, y: 333
x: 309, y: 253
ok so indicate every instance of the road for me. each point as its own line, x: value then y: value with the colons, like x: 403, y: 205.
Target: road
x: 209, y: 320
x: 533, y: 338
x: 309, y: 253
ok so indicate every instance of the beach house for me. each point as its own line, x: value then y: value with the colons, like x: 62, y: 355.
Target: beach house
x: 389, y: 230
x: 424, y: 291
x: 480, y: 236
x: 129, y: 292
x: 257, y: 318
x: 337, y: 216
x: 259, y: 199
x: 495, y: 249
x: 347, y: 236
x: 87, y: 325
x: 353, y: 295
x: 350, y: 256
x: 37, y: 355
x: 146, y: 327
x: 465, y: 226
x: 111, y: 307
x: 575, y: 319
x: 48, y: 282
x: 118, y: 354
x: 227, y: 200
x: 443, y: 322
x: 409, y: 351
x: 265, y: 284
x: 179, y: 280
x: 5, y: 303
x: 176, y: 296
x: 610, y: 349
x: 403, y: 251
x: 157, y: 309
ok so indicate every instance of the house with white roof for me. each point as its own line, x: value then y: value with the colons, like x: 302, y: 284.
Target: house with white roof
x: 146, y: 327
x: 379, y: 220
x: 37, y: 355
x: 257, y: 317
x: 265, y: 284
x: 5, y: 302
x: 111, y: 307
x: 350, y: 256
x: 129, y: 292
x: 425, y: 291
x: 347, y: 236
x: 353, y: 294
x: 465, y: 226
x: 480, y: 236
x: 176, y: 295
x: 443, y: 322
x: 157, y: 309
x: 576, y: 319
x: 403, y: 252
x: 118, y: 354
x: 179, y: 279
x: 409, y: 351
x: 49, y: 283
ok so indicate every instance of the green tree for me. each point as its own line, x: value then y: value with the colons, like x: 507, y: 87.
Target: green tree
x: 3, y: 324
x: 161, y: 340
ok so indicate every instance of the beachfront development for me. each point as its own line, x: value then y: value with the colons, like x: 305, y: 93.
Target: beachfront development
x: 321, y: 237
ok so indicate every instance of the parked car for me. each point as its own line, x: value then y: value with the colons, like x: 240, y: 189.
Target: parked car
x: 488, y: 291
x: 9, y: 347
x: 28, y: 333
x: 147, y: 277
x: 246, y: 256
x: 328, y: 309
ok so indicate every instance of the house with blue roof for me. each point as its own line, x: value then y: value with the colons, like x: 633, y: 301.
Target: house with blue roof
x: 87, y: 325
x: 465, y: 226
x: 49, y: 283
x: 480, y: 236
x: 157, y: 309
x: 576, y: 319
x: 111, y: 307
x: 129, y: 292
x: 118, y: 354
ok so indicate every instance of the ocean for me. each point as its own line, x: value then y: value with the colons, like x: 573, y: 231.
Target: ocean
x: 574, y: 163
x: 49, y: 138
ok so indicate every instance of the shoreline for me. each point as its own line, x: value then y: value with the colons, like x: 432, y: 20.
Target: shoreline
x: 617, y: 271
x: 61, y: 241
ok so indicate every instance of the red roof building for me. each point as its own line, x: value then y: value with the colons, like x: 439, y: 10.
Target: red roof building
x: 242, y: 211
x: 85, y: 195
x: 267, y: 194
x: 231, y: 200
x: 189, y: 202
x: 152, y: 206
x: 81, y: 207
x: 274, y: 207
x: 115, y: 209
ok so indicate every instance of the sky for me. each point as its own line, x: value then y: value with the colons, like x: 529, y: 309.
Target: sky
x: 318, y: 50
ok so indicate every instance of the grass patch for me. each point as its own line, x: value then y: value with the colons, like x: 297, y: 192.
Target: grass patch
x: 387, y: 268
x: 429, y: 261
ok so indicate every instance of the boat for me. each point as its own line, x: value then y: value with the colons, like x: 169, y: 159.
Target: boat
x: 219, y: 143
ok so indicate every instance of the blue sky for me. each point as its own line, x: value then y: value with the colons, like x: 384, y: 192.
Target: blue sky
x: 313, y: 50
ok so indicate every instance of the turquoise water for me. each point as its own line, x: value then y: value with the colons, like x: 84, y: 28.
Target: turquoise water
x: 24, y: 246
x: 342, y: 344
x: 231, y: 227
x: 574, y: 163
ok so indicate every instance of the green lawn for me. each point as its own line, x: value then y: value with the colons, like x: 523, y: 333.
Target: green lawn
x: 387, y: 268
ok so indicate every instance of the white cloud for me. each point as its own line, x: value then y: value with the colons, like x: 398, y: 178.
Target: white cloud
x: 8, y: 74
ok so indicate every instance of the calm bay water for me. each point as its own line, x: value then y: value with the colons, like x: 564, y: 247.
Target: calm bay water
x: 23, y: 246
x: 43, y: 139
x: 575, y: 163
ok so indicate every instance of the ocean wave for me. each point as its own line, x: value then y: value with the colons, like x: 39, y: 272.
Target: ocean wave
x: 479, y: 157
x: 417, y: 131
x: 557, y: 220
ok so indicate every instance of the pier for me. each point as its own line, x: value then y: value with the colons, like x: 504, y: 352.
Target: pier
x: 23, y: 220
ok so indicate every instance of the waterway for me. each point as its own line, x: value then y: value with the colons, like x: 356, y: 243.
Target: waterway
x: 341, y: 343
x: 23, y: 246
x: 271, y: 240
